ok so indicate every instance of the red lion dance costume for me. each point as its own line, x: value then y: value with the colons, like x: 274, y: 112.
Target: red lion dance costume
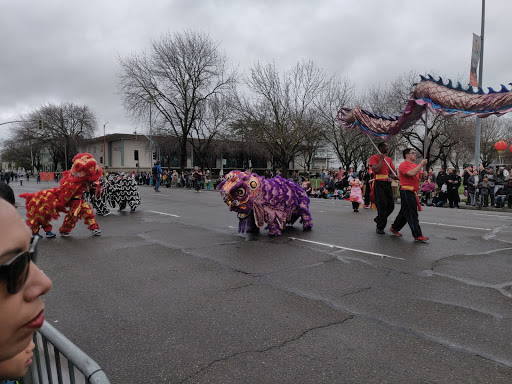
x: 46, y: 205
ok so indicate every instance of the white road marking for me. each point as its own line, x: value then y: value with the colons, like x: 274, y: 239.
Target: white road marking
x: 456, y: 226
x: 345, y: 248
x: 167, y: 214
x: 484, y: 214
x: 230, y: 226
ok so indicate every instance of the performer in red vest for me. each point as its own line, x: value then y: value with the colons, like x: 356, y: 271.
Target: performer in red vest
x: 410, y: 174
x: 383, y: 193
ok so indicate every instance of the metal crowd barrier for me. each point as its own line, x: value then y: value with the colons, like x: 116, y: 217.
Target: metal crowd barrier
x: 58, y: 360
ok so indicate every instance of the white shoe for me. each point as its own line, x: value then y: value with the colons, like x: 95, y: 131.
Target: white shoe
x: 96, y: 232
x: 65, y: 234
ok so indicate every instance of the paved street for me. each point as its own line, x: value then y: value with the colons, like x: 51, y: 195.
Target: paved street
x: 172, y: 293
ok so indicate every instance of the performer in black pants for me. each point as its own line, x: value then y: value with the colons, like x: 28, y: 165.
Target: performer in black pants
x: 410, y: 174
x: 382, y: 191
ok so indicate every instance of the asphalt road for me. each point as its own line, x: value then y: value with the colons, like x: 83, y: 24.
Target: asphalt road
x: 172, y: 293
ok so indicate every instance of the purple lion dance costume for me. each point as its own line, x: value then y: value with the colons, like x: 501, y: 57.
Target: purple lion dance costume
x: 257, y: 201
x: 437, y: 97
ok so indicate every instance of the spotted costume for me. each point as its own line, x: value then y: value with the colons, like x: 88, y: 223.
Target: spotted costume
x: 258, y: 201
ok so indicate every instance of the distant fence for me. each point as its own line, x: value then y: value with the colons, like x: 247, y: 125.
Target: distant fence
x: 46, y: 176
x: 58, y: 360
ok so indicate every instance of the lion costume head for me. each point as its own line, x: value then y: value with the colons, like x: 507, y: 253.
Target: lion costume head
x: 84, y: 169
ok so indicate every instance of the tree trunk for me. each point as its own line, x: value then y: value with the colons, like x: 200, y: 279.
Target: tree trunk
x: 183, y: 155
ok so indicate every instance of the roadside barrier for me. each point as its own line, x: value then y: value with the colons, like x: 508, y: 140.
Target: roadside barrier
x: 58, y: 360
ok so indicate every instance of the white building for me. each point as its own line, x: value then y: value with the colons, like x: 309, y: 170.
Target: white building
x: 121, y: 152
x: 131, y: 152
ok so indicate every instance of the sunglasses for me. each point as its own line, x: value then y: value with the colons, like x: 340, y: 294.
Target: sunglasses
x: 15, y: 272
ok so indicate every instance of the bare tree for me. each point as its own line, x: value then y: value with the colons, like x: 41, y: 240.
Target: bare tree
x: 64, y: 127
x: 215, y: 116
x: 433, y: 137
x: 378, y: 100
x: 493, y: 129
x: 179, y: 74
x: 282, y: 113
x: 351, y: 146
x: 245, y: 146
x: 309, y: 149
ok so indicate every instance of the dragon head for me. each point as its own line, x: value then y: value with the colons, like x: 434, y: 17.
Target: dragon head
x: 238, y: 190
x: 84, y: 169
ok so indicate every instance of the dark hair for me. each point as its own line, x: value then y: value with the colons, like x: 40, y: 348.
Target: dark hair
x: 406, y: 151
x: 381, y: 144
x: 7, y: 193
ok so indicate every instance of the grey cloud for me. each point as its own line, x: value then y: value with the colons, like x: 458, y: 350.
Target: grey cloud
x: 67, y: 50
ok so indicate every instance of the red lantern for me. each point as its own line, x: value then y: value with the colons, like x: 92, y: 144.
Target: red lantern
x: 500, y: 146
x: 510, y: 148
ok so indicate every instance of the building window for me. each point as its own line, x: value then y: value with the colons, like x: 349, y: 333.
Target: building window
x: 136, y: 155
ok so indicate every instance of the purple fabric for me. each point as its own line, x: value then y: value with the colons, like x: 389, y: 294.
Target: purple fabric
x: 275, y: 202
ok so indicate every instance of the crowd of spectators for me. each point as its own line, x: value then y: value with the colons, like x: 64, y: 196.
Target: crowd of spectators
x: 14, y: 175
x: 487, y: 185
x: 190, y: 178
x: 482, y: 187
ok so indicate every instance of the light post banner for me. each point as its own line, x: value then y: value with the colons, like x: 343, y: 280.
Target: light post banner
x: 475, y: 58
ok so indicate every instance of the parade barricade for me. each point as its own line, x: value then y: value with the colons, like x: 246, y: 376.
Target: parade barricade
x: 58, y: 360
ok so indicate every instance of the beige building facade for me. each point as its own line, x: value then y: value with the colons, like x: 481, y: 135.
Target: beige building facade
x: 131, y: 152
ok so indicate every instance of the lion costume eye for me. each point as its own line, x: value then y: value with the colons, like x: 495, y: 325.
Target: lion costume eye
x: 240, y: 192
x: 253, y: 184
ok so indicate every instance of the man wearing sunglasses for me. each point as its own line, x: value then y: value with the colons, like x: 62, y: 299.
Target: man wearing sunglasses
x: 21, y: 284
x: 409, y: 173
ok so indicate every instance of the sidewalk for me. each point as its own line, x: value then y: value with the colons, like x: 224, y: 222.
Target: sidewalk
x: 463, y: 205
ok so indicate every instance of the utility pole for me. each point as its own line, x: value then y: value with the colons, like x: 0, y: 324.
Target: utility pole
x: 480, y: 84
x: 104, y: 142
x: 150, y: 141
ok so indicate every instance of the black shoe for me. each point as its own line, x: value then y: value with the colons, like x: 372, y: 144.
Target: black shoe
x: 380, y: 231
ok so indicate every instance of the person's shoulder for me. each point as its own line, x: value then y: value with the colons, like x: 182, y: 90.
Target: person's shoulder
x: 374, y: 159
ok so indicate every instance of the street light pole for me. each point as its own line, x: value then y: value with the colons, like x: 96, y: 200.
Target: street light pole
x: 150, y: 140
x: 104, y: 142
x: 480, y: 84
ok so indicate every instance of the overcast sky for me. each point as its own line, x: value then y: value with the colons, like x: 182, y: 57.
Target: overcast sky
x: 66, y: 51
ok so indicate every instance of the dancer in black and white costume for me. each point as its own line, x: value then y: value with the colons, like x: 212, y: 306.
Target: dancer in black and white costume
x: 97, y: 196
x: 118, y: 191
x: 123, y: 192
